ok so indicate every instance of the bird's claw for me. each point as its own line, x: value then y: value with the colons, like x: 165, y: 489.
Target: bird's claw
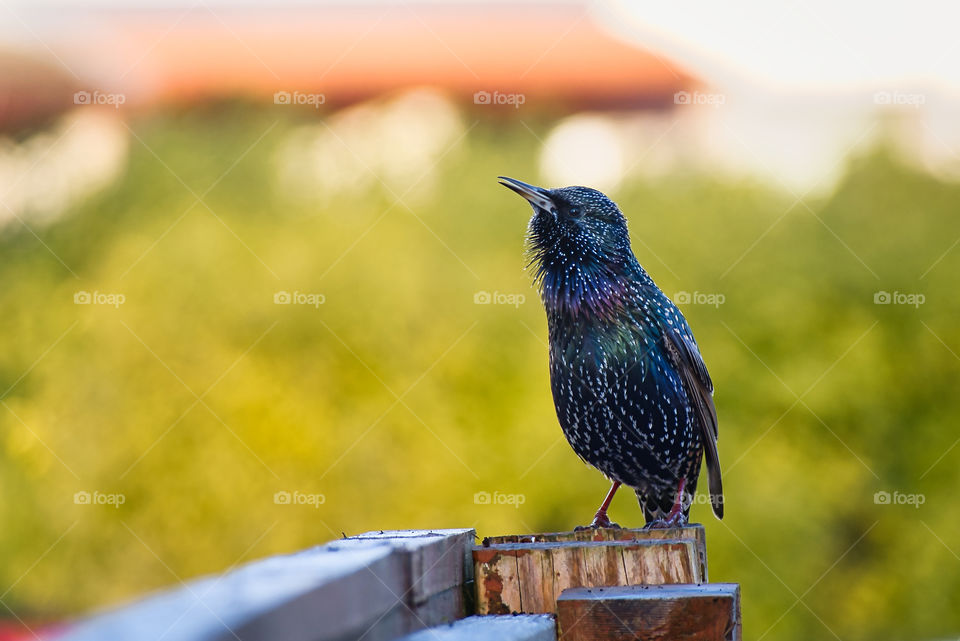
x: 671, y: 521
x: 599, y: 521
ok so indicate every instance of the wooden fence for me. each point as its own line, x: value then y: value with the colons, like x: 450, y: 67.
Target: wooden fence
x: 438, y: 585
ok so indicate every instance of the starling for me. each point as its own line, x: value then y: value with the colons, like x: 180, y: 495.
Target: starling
x: 631, y: 391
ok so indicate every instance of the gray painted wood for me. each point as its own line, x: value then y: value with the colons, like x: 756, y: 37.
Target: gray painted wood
x: 437, y: 559
x: 507, y: 627
x: 436, y: 565
x: 378, y: 585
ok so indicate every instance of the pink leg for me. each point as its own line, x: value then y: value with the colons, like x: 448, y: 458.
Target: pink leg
x: 678, y: 504
x: 600, y: 519
x: 675, y: 517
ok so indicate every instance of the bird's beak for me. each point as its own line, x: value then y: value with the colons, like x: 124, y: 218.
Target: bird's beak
x: 537, y: 196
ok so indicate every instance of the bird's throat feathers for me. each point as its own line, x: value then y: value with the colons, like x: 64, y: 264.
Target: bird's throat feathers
x: 584, y: 269
x: 582, y: 291
x: 585, y: 287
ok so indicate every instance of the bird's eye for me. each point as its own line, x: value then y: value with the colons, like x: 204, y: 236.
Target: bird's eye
x: 574, y: 212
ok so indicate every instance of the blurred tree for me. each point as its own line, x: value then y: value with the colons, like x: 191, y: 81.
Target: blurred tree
x: 396, y: 399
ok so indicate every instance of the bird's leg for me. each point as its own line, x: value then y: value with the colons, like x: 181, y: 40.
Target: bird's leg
x: 600, y: 519
x: 678, y: 503
x: 675, y: 517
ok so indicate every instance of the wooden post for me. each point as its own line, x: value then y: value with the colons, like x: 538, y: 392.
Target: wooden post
x: 527, y: 573
x: 693, y: 532
x: 709, y: 612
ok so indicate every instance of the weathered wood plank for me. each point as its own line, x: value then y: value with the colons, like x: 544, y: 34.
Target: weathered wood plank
x: 497, y: 582
x: 568, y: 567
x: 673, y: 562
x: 438, y: 559
x: 527, y: 577
x: 442, y: 607
x: 284, y: 597
x: 526, y: 627
x: 604, y: 565
x: 693, y: 531
x: 708, y: 612
x: 600, y: 534
x: 536, y: 574
x: 378, y: 585
x: 437, y: 563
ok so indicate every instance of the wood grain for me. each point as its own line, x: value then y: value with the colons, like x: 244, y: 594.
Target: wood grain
x: 526, y: 574
x: 709, y: 612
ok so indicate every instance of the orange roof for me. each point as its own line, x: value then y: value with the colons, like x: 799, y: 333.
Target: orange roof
x: 555, y: 52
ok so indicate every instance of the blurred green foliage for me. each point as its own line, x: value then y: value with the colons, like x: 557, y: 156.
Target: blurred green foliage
x: 399, y: 398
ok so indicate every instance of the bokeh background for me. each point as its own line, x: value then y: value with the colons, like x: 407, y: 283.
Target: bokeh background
x: 260, y: 287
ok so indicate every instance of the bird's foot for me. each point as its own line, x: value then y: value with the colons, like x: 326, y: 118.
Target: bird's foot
x: 675, y: 517
x: 600, y: 520
x: 668, y: 522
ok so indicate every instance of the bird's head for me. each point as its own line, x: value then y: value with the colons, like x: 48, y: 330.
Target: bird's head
x: 574, y: 227
x: 579, y: 249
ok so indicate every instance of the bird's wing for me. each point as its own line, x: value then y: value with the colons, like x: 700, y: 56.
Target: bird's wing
x: 686, y: 358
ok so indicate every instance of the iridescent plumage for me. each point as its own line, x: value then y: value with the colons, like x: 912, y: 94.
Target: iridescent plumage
x: 632, y: 394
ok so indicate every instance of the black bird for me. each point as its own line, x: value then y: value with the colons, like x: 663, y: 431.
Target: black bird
x: 631, y: 391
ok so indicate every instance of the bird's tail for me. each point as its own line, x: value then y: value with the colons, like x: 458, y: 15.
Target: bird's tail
x: 714, y: 481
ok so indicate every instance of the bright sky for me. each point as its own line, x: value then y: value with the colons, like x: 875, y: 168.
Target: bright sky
x: 810, y: 44
x: 800, y: 78
x: 813, y: 44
